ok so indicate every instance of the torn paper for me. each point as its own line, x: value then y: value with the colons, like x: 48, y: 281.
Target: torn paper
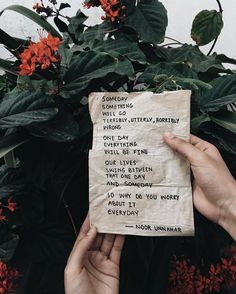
x: 137, y: 184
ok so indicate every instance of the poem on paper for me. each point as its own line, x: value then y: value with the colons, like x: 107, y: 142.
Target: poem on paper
x: 137, y: 184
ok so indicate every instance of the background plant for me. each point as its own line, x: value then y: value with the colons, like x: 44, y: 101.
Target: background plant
x: 46, y: 130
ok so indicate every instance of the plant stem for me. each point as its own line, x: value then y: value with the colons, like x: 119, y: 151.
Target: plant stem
x: 214, y: 43
x: 168, y: 44
x: 212, y: 47
x: 70, y: 216
x: 172, y: 39
x: 220, y: 6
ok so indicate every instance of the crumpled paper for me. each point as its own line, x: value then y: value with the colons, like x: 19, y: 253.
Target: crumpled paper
x: 137, y: 184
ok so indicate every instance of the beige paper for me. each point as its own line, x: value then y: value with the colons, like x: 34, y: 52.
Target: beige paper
x: 137, y: 184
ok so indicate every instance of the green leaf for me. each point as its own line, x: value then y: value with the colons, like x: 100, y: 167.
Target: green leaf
x: 12, y: 141
x: 97, y: 32
x: 7, y: 66
x: 194, y: 58
x: 76, y: 25
x: 34, y: 17
x: 192, y: 84
x: 62, y: 128
x: 222, y: 93
x: 87, y: 66
x: 8, y: 41
x: 62, y: 26
x: 225, y: 119
x: 225, y: 59
x: 119, y: 47
x: 22, y: 108
x: 8, y: 246
x: 218, y: 103
x: 199, y: 120
x: 207, y: 26
x: 63, y: 6
x: 149, y: 19
x: 152, y: 72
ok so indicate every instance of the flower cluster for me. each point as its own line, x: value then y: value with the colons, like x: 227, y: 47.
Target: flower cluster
x: 114, y: 10
x: 10, y: 205
x: 43, y: 53
x: 186, y: 278
x: 41, y: 8
x: 8, y: 276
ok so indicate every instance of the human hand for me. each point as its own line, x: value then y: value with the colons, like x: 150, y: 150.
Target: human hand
x: 93, y: 265
x: 214, y: 188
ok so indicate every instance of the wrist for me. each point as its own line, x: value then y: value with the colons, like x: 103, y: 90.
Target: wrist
x: 227, y: 212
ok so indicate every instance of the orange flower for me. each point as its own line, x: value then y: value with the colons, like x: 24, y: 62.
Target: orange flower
x: 43, y: 54
x: 114, y: 11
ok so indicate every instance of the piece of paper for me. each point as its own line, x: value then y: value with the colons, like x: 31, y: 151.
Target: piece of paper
x: 137, y: 184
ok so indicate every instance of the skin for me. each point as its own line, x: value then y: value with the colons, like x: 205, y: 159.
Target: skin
x: 214, y: 188
x: 93, y: 265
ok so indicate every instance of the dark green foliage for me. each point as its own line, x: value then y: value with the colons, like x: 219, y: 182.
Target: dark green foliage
x: 45, y: 124
x: 207, y: 26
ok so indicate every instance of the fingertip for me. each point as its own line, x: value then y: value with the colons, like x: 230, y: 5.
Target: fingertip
x: 168, y: 135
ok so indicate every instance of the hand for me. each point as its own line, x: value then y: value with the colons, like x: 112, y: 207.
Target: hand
x: 214, y: 188
x: 93, y: 265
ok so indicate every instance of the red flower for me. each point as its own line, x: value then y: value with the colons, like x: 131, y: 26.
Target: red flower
x: 2, y: 217
x: 8, y: 277
x: 11, y: 205
x: 114, y: 11
x: 43, y: 53
x: 181, y: 279
x: 185, y: 278
x: 215, y: 279
x: 229, y: 271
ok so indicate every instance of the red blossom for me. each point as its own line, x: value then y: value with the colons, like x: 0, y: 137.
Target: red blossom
x: 2, y: 217
x: 43, y: 53
x: 114, y: 11
x: 8, y: 277
x: 11, y: 205
x: 186, y: 278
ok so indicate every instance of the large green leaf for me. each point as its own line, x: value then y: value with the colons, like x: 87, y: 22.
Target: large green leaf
x: 152, y: 72
x: 194, y: 58
x: 12, y: 141
x: 225, y: 119
x: 97, y: 32
x: 218, y: 103
x: 207, y: 26
x: 34, y: 17
x: 62, y: 128
x: 8, y: 245
x: 223, y: 92
x: 149, y: 19
x: 22, y: 108
x: 8, y: 41
x: 87, y: 66
x: 119, y: 47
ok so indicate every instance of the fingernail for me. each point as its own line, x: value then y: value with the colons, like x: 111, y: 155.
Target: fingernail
x: 169, y: 135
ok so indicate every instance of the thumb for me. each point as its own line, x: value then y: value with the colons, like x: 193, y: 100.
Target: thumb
x: 76, y: 260
x: 181, y: 146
